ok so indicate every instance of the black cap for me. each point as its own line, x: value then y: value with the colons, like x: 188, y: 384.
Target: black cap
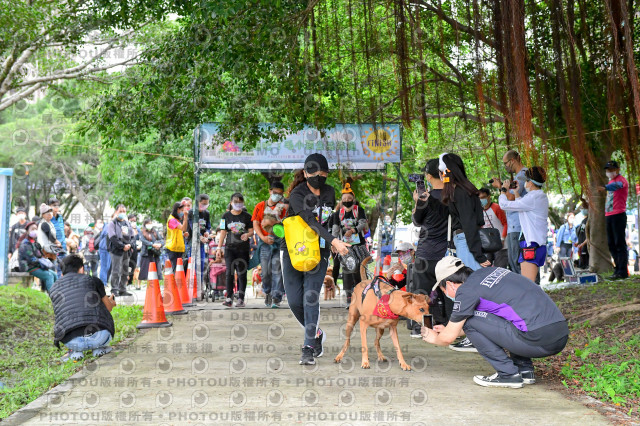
x: 611, y: 165
x: 21, y: 209
x: 316, y: 162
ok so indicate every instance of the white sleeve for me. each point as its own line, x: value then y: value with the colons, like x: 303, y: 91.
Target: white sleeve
x: 523, y: 204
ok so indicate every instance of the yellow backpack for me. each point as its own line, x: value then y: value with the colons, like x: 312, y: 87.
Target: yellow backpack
x: 302, y: 244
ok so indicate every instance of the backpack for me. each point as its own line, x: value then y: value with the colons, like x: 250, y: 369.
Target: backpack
x: 92, y: 245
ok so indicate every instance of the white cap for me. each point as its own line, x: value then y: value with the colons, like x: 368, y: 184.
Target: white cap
x: 446, y: 267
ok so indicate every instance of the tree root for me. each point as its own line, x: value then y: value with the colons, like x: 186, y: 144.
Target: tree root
x: 600, y: 314
x: 602, y: 317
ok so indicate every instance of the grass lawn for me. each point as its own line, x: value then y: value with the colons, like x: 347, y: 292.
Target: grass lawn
x: 602, y: 357
x: 29, y: 363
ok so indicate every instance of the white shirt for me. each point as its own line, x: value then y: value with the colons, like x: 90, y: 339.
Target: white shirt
x: 533, y: 211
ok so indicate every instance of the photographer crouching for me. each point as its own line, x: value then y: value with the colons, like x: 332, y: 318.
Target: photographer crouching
x: 82, y: 311
x: 499, y: 310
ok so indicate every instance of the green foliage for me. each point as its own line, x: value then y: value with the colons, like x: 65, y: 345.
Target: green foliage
x: 29, y: 363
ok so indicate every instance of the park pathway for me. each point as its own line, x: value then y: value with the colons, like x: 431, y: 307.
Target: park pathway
x: 221, y: 366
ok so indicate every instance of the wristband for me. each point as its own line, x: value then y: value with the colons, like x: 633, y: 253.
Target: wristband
x: 503, y: 190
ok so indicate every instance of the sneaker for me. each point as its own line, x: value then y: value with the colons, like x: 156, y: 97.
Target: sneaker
x: 528, y: 377
x: 228, y: 303
x: 514, y: 381
x: 464, y: 345
x: 102, y: 351
x: 318, y: 350
x: 307, y: 356
x: 240, y: 303
x: 416, y: 333
x: 125, y: 293
x: 268, y: 300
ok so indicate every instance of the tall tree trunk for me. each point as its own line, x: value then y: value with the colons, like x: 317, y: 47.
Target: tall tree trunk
x: 599, y: 256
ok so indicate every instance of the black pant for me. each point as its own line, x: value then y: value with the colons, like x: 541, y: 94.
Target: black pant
x: 349, y: 281
x: 491, y: 335
x: 237, y: 260
x: 424, y: 278
x: 336, y: 268
x: 616, y: 227
x: 173, y: 258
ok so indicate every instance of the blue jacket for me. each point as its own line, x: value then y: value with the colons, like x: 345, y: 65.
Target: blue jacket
x: 103, y: 239
x: 58, y: 223
x: 566, y: 235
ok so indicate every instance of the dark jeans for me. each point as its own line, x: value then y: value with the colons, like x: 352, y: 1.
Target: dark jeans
x: 513, y: 249
x: 236, y: 261
x: 133, y: 264
x: 303, y: 293
x: 491, y: 335
x: 616, y: 227
x: 566, y: 250
x: 91, y: 267
x: 271, y: 271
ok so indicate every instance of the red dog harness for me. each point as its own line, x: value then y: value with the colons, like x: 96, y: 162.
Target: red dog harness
x: 382, y: 308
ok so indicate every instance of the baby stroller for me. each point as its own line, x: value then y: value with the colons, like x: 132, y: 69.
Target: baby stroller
x: 214, y: 279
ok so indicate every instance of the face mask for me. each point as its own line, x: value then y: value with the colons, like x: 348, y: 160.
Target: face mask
x: 133, y: 224
x: 276, y: 197
x: 484, y: 202
x: 33, y: 234
x: 387, y: 221
x: 122, y: 216
x: 21, y: 216
x: 347, y: 204
x: 449, y: 297
x: 181, y: 215
x: 611, y: 175
x: 570, y: 221
x: 405, y: 258
x: 237, y: 206
x: 316, y: 182
x: 149, y: 227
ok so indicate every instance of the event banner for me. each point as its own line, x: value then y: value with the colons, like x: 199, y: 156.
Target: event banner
x: 350, y: 146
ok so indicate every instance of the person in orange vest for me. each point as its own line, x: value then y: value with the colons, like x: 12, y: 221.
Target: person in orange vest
x: 177, y: 223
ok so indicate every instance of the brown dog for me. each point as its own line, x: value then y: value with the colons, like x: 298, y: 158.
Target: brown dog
x: 330, y: 286
x: 401, y: 303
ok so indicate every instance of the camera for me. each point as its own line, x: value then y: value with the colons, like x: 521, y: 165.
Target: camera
x: 416, y: 177
x: 513, y: 184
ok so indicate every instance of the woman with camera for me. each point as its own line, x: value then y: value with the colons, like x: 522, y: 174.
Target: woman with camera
x: 460, y: 201
x: 151, y: 250
x: 32, y: 260
x: 350, y: 224
x: 533, y: 211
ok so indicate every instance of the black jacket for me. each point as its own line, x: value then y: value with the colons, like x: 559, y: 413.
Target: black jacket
x: 76, y: 303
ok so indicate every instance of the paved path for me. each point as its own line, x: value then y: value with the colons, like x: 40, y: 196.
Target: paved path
x: 224, y: 366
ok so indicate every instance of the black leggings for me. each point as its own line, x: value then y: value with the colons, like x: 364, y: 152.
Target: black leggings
x: 236, y: 261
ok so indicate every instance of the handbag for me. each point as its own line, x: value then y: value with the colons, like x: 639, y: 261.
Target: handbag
x: 45, y: 263
x: 303, y: 244
x: 490, y: 238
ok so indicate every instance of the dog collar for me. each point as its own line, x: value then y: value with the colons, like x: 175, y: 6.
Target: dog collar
x: 382, y: 308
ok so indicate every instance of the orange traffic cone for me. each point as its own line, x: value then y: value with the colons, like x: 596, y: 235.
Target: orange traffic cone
x: 191, y: 281
x: 171, y: 297
x: 194, y: 295
x: 386, y: 264
x: 153, y: 314
x: 181, y: 282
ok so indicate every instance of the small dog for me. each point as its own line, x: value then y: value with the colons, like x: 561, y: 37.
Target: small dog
x: 400, y: 303
x: 256, y: 281
x: 330, y: 286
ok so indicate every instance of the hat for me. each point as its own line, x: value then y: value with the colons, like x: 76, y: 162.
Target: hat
x: 29, y: 224
x: 316, y: 162
x: 347, y: 189
x: 21, y: 209
x: 612, y: 165
x: 404, y: 246
x: 44, y: 208
x: 446, y: 267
